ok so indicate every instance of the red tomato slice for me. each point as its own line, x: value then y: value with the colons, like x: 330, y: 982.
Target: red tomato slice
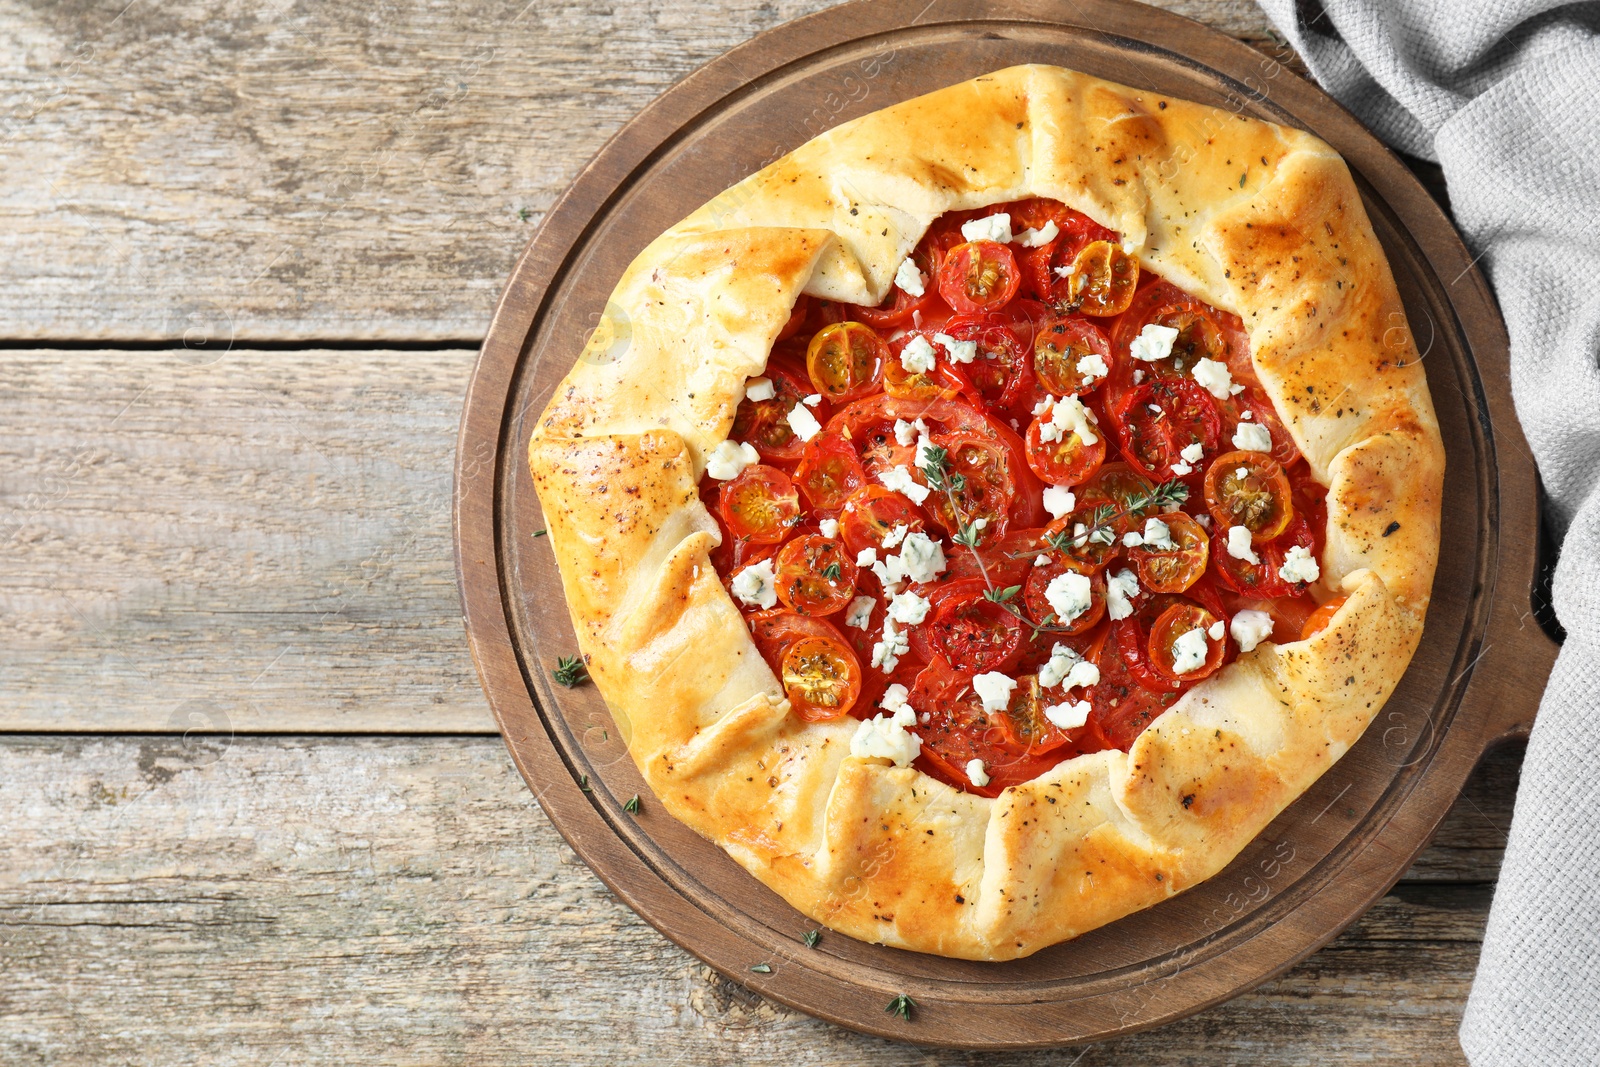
x: 972, y: 633
x: 872, y: 512
x: 1102, y: 280
x: 958, y: 730
x: 1172, y: 626
x: 1249, y: 489
x: 765, y: 423
x: 815, y: 575
x: 829, y: 472
x: 999, y: 375
x: 1173, y: 570
x: 1122, y: 707
x: 1318, y: 620
x: 845, y: 361
x: 1066, y: 461
x: 819, y: 672
x: 1063, y: 342
x: 1039, y: 607
x: 760, y: 505
x: 978, y: 276
x: 981, y: 487
x: 1156, y: 421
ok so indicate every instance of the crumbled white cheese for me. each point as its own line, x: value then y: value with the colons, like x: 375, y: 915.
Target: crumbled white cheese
x: 1248, y: 415
x: 1069, y: 595
x: 1299, y: 565
x: 886, y: 736
x: 1121, y: 588
x: 757, y: 585
x: 828, y: 527
x: 1068, y: 716
x: 1093, y: 368
x: 894, y: 697
x: 804, y: 424
x: 909, y: 608
x: 729, y: 458
x: 1252, y: 437
x: 1182, y: 469
x: 1132, y: 540
x: 906, y: 432
x: 910, y: 279
x: 1154, y: 342
x: 1059, y: 501
x: 1250, y: 627
x: 866, y: 557
x: 921, y: 557
x: 1158, y: 535
x: 1189, y: 651
x: 1033, y: 238
x: 1066, y: 667
x: 887, y: 652
x: 994, y: 690
x: 759, y: 389
x: 812, y: 401
x: 995, y: 227
x: 859, y: 613
x: 1192, y: 453
x: 1239, y: 544
x: 1138, y: 376
x: 899, y: 479
x: 959, y: 351
x: 1216, y: 630
x: 1204, y: 521
x: 1042, y: 560
x: 1214, y: 376
x: 918, y: 355
x: 976, y: 774
x: 1069, y: 414
x: 896, y: 534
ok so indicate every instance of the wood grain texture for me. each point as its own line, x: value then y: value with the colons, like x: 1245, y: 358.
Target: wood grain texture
x: 300, y: 169
x: 257, y: 543
x: 295, y: 900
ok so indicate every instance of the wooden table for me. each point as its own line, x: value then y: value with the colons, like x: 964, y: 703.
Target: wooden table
x: 254, y: 808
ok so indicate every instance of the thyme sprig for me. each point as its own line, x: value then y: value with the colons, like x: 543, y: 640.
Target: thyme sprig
x: 570, y: 672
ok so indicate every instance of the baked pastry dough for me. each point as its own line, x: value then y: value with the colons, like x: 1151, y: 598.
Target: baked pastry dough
x: 1253, y: 218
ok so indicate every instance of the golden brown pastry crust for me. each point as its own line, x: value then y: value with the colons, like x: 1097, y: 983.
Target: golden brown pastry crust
x: 1254, y: 218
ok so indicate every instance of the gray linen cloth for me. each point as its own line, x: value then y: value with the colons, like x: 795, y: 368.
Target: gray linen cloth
x: 1505, y: 95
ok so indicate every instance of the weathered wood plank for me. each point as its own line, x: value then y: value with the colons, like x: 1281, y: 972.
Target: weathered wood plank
x: 320, y: 170
x: 258, y: 543
x: 403, y: 901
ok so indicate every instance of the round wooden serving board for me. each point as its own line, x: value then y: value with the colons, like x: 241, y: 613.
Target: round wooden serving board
x: 1476, y: 678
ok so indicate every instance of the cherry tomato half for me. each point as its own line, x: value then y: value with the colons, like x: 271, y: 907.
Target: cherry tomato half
x: 981, y: 487
x: 871, y: 512
x: 998, y: 373
x: 1171, y: 636
x: 760, y: 505
x: 829, y: 472
x: 959, y: 730
x: 819, y: 671
x: 1172, y: 570
x: 978, y: 276
x: 815, y: 575
x: 973, y: 633
x: 1156, y: 421
x: 845, y: 361
x: 1066, y: 461
x: 1261, y: 580
x: 1064, y: 355
x: 1249, y: 489
x: 1122, y: 707
x: 1103, y: 279
x: 1319, y: 619
x: 940, y: 383
x: 1040, y: 609
x: 765, y: 423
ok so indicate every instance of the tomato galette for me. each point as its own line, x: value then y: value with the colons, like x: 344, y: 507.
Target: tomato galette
x: 985, y: 519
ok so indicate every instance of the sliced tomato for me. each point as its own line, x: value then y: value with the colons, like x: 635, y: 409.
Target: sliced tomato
x: 1318, y: 620
x: 1132, y: 640
x: 1156, y: 421
x: 759, y: 505
x: 940, y: 383
x: 829, y: 472
x: 1175, y: 569
x: 765, y: 423
x: 819, y: 671
x: 1249, y: 489
x: 1261, y: 580
x: 1080, y: 540
x: 815, y: 575
x: 1023, y: 726
x: 1068, y: 351
x: 1047, y: 269
x: 1001, y: 563
x: 1102, y: 280
x: 1164, y: 304
x: 978, y: 276
x: 1121, y: 707
x: 899, y: 307
x: 1066, y: 461
x: 1044, y: 614
x: 980, y: 487
x: 998, y: 375
x: 971, y: 632
x: 845, y: 361
x: 872, y: 512
x: 1172, y: 629
x: 958, y: 730
x: 797, y: 319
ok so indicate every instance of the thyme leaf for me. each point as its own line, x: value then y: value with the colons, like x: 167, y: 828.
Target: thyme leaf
x: 570, y: 672
x: 1000, y: 596
x: 902, y: 1006
x: 811, y: 938
x: 632, y: 806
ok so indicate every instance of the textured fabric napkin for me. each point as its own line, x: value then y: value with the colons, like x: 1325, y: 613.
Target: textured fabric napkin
x: 1505, y: 95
